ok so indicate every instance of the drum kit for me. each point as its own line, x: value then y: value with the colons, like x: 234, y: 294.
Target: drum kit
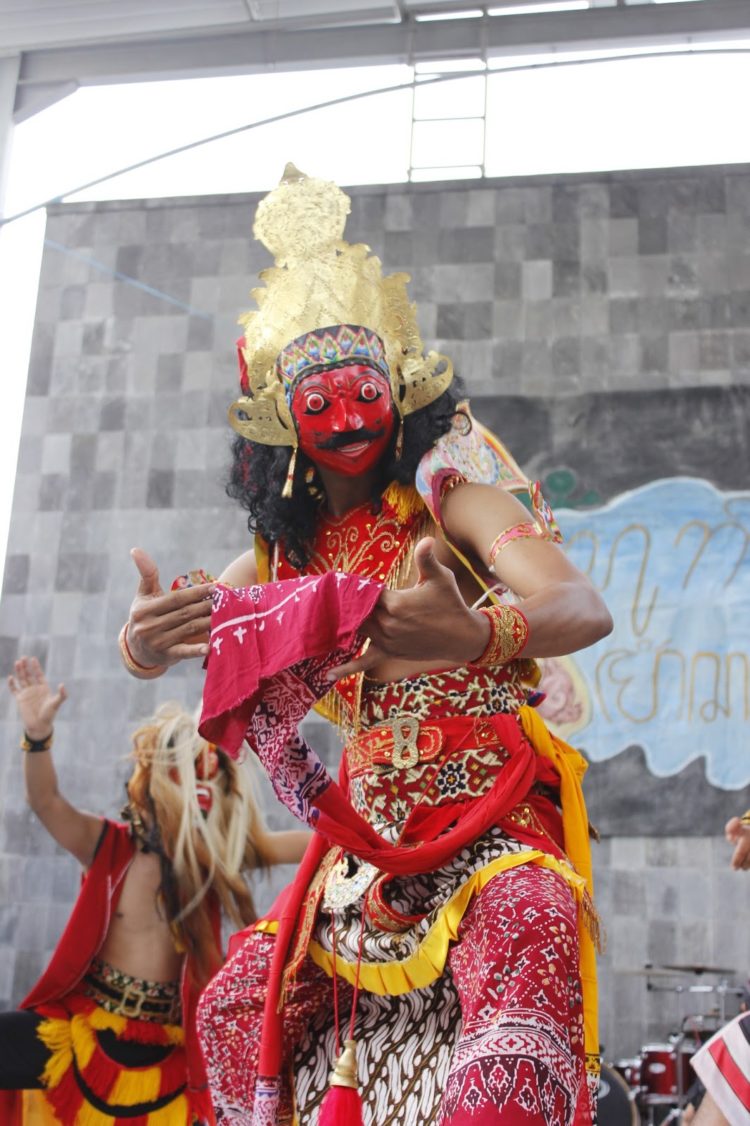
x: 651, y: 1088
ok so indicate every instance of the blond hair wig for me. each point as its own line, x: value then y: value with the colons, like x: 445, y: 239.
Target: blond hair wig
x: 202, y: 853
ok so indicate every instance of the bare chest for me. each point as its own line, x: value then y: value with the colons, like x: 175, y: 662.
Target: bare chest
x: 139, y: 940
x: 139, y: 906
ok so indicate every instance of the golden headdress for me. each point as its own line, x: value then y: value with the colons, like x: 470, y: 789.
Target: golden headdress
x: 324, y: 303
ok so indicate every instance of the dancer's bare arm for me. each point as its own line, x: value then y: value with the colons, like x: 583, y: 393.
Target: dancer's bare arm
x: 564, y: 611
x: 37, y: 706
x: 242, y: 571
x: 708, y: 1114
x: 286, y: 847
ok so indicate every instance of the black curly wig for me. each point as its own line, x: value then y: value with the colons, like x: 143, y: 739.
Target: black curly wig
x: 258, y: 474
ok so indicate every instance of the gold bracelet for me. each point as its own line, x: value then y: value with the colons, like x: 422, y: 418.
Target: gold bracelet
x: 143, y: 672
x: 525, y: 531
x: 509, y: 632
x: 33, y: 746
x: 745, y: 818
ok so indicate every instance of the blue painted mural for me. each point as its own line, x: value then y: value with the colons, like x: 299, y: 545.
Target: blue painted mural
x: 673, y: 561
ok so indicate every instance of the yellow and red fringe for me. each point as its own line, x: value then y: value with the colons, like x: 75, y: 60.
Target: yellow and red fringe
x: 74, y: 1046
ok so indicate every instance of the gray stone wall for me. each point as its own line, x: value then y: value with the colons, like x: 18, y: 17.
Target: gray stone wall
x: 543, y: 289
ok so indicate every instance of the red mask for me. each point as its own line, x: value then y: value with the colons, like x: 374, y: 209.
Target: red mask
x: 205, y: 798
x: 206, y: 768
x: 344, y: 418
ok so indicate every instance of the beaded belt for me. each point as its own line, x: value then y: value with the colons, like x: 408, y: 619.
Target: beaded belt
x: 132, y: 997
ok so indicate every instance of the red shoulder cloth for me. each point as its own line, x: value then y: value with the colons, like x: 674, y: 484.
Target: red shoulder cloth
x: 89, y: 920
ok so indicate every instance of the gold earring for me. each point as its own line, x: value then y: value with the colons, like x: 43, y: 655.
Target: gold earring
x: 286, y: 492
x: 399, y: 448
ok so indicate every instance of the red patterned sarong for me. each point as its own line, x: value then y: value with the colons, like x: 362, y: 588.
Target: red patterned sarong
x: 518, y: 1056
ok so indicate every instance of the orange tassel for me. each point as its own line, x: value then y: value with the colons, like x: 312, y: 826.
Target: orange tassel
x: 342, y: 1105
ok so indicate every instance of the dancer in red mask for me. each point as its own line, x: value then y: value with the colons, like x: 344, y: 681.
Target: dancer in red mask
x: 108, y: 1032
x: 443, y: 910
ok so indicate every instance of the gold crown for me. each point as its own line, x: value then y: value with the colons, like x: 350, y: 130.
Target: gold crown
x: 319, y: 281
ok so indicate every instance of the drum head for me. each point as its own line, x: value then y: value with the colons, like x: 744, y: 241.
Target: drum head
x: 616, y: 1105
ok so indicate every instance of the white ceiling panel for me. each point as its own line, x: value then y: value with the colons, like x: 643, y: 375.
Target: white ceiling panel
x: 69, y: 43
x: 334, y: 10
x: 38, y: 24
x: 35, y: 24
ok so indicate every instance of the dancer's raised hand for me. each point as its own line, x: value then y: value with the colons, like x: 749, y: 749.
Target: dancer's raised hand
x: 36, y: 702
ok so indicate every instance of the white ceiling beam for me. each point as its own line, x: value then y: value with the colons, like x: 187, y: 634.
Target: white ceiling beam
x: 9, y: 68
x: 257, y: 51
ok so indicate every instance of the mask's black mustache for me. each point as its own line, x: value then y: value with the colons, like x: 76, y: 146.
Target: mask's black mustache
x: 348, y: 438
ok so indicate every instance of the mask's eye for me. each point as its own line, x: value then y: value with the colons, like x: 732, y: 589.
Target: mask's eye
x: 314, y: 403
x: 369, y: 392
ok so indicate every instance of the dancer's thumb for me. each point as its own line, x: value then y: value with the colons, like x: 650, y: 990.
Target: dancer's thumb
x: 149, y: 572
x: 428, y: 566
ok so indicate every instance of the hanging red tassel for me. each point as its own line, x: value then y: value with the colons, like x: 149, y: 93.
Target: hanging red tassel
x: 342, y: 1105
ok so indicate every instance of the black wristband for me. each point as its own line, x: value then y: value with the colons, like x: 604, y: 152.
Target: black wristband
x: 33, y: 746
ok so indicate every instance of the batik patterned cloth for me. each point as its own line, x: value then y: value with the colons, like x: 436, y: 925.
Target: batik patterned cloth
x: 402, y: 910
x: 512, y: 977
x: 230, y: 1017
x: 450, y: 760
x: 270, y: 650
x: 516, y: 969
x: 424, y: 935
x: 259, y: 633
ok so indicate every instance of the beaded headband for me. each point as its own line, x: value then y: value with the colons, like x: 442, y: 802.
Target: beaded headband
x: 327, y: 348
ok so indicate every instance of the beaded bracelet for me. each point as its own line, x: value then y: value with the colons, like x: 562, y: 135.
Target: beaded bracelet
x: 143, y: 672
x: 509, y: 632
x: 34, y: 746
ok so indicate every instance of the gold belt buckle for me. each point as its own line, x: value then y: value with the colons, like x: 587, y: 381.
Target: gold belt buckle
x: 405, y: 750
x: 131, y: 1002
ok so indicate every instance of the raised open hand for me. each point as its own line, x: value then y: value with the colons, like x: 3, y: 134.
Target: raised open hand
x: 36, y: 702
x: 166, y: 628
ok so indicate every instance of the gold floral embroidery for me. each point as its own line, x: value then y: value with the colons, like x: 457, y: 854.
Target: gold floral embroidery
x: 463, y: 691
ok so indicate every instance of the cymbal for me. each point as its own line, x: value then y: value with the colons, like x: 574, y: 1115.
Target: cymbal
x: 698, y: 969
